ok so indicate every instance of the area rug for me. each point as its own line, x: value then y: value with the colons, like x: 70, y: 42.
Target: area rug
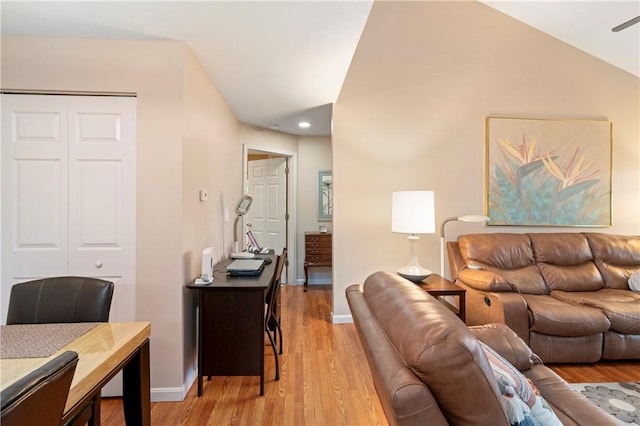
x: 620, y: 400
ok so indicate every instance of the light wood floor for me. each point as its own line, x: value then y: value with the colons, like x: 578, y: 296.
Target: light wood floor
x: 324, y: 378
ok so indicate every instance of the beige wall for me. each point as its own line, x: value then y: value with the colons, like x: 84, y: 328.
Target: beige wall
x: 187, y: 138
x: 268, y: 139
x: 411, y: 116
x: 314, y: 155
x: 211, y: 161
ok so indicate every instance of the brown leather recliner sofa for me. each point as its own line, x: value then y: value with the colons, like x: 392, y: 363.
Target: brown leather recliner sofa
x: 565, y: 294
x: 429, y: 368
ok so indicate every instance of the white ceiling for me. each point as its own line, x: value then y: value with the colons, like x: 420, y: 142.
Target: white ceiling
x: 279, y: 62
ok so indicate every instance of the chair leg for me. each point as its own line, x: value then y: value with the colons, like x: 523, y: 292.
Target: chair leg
x: 280, y: 334
x: 275, y: 321
x: 275, y: 354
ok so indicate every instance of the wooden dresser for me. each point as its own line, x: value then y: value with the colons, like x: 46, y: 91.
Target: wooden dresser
x: 317, y: 252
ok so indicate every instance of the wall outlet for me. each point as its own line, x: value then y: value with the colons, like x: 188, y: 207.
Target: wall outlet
x: 204, y: 195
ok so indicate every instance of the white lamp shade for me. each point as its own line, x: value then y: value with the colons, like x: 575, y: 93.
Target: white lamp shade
x: 413, y: 212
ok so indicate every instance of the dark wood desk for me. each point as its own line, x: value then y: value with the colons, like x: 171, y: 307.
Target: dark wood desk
x: 437, y: 286
x: 231, y: 323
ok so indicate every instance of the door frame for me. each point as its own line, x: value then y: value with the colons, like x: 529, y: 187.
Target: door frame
x: 292, y: 190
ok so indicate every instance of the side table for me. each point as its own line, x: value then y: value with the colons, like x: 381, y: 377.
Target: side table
x: 437, y: 286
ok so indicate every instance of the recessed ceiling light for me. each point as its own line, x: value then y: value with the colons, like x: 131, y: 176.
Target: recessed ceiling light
x: 304, y: 124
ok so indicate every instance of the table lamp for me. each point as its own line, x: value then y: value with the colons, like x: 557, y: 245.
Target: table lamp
x: 466, y: 218
x: 412, y: 212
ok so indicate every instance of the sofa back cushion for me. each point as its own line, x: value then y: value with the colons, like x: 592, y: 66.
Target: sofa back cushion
x: 432, y: 340
x: 566, y: 262
x: 509, y: 255
x: 616, y: 256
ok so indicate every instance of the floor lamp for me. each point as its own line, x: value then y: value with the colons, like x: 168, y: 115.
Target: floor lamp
x: 467, y: 218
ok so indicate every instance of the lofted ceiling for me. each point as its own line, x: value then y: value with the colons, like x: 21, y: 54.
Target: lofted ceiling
x: 280, y: 62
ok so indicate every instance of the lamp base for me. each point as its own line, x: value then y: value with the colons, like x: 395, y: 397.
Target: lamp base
x: 413, y: 273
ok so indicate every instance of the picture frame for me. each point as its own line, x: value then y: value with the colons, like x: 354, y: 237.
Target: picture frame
x: 548, y: 172
x: 325, y: 195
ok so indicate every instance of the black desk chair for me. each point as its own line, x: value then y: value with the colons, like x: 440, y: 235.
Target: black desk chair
x: 39, y: 397
x: 272, y: 321
x: 60, y: 300
x: 63, y: 300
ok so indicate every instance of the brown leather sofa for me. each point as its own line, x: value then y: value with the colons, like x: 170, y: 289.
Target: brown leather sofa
x: 429, y: 368
x: 565, y: 294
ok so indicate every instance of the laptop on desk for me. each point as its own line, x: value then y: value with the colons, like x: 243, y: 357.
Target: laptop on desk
x: 245, y: 267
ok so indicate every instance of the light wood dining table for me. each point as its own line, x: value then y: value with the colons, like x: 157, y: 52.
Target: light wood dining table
x: 103, y: 351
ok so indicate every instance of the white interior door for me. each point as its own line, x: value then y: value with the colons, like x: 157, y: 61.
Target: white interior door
x: 34, y: 190
x: 102, y: 202
x: 68, y: 190
x: 268, y: 213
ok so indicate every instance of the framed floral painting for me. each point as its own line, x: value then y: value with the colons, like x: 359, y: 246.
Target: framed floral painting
x: 545, y: 172
x: 325, y: 195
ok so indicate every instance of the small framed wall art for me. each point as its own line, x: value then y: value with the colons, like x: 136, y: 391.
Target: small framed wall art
x: 325, y: 195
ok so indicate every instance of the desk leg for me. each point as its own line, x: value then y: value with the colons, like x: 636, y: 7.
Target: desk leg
x: 136, y: 389
x: 306, y: 276
x: 95, y: 410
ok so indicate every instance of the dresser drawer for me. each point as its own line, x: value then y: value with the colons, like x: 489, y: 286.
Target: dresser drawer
x: 320, y: 245
x: 318, y: 258
x: 319, y: 238
x: 317, y: 250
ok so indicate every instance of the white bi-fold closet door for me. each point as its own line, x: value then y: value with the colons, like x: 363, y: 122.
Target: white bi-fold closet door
x: 68, y: 192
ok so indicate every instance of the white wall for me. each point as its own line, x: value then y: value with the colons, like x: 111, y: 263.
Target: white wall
x: 411, y: 115
x: 182, y: 122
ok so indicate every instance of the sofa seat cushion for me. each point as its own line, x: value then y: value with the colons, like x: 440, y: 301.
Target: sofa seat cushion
x: 554, y: 317
x: 621, y: 307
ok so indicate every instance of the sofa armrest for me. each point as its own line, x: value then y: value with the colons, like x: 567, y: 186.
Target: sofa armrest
x: 506, y: 342
x: 508, y: 308
x: 484, y: 280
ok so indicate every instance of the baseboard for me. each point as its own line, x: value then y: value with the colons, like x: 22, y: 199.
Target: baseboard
x: 174, y: 394
x: 167, y: 394
x: 341, y: 319
x: 313, y: 282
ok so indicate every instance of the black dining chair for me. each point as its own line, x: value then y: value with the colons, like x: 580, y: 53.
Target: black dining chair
x: 63, y: 300
x: 60, y: 300
x: 39, y: 397
x: 272, y: 318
